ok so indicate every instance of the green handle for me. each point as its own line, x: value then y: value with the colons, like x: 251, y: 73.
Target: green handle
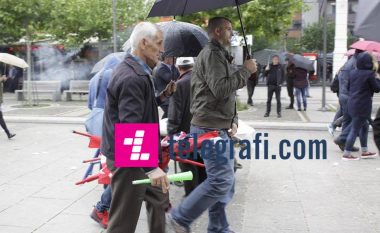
x: 175, y: 177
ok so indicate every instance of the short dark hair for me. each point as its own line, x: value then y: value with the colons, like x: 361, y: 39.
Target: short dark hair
x: 185, y: 67
x: 215, y: 23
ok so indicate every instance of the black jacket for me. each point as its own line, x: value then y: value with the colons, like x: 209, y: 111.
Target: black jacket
x: 163, y: 76
x: 376, y: 129
x: 362, y: 83
x: 275, y: 75
x: 179, y: 115
x: 130, y: 99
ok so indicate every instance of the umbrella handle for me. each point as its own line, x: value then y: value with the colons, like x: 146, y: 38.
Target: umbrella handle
x: 242, y: 28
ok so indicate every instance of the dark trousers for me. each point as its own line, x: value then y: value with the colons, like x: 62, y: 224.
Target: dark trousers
x: 290, y: 88
x: 2, y: 124
x: 199, y: 174
x: 277, y: 91
x: 251, y: 89
x: 127, y: 200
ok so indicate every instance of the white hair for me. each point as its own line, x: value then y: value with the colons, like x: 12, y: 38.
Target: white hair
x: 143, y: 30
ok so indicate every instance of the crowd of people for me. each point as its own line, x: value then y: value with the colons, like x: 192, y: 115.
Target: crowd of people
x: 197, y: 96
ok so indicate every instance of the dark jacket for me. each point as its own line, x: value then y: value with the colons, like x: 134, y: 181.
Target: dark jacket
x: 213, y: 87
x: 253, y: 79
x: 179, y: 115
x: 300, y: 78
x: 130, y: 99
x: 343, y: 76
x: 362, y: 83
x: 163, y: 76
x: 376, y: 129
x: 275, y: 75
x: 290, y: 74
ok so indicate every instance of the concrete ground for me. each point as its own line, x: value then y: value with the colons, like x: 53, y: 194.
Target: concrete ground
x: 42, y: 163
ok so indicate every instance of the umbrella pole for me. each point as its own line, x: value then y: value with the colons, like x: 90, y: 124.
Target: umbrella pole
x: 242, y: 28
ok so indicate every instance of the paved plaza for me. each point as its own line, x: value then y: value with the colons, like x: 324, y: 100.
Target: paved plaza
x: 40, y: 166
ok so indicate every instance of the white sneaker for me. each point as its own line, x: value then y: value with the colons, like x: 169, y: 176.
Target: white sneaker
x: 331, y: 129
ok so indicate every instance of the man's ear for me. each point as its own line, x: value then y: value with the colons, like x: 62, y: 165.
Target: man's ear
x: 143, y: 43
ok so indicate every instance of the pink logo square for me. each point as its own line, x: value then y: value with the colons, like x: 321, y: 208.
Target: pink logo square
x: 136, y: 145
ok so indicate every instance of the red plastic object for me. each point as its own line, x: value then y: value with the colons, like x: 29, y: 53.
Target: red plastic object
x: 94, y: 140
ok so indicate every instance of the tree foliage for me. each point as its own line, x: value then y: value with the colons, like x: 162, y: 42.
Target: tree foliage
x: 268, y: 19
x: 22, y: 18
x: 312, y: 39
x: 67, y: 20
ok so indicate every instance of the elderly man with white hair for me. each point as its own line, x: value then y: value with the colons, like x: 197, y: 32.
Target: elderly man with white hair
x: 131, y: 99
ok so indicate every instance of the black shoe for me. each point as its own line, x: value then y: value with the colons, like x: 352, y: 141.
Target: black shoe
x: 304, y: 109
x: 289, y: 107
x: 299, y: 110
x: 251, y: 104
x: 343, y: 144
x: 266, y: 114
x: 11, y: 135
x: 279, y: 115
x: 340, y: 144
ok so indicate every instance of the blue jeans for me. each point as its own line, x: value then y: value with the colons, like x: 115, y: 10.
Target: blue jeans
x: 214, y: 193
x: 301, y: 92
x: 105, y: 200
x: 346, y: 125
x: 359, y: 126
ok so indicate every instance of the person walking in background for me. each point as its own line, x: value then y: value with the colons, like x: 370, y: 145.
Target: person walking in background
x: 164, y: 73
x: 96, y: 102
x: 213, y: 106
x: 275, y: 78
x: 179, y: 118
x: 343, y: 99
x: 362, y: 83
x: 290, y: 75
x: 251, y: 84
x: 300, y: 85
x: 10, y: 135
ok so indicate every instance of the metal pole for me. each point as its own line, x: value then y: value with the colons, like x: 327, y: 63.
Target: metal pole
x: 324, y: 57
x: 29, y: 74
x: 243, y: 30
x: 114, y: 16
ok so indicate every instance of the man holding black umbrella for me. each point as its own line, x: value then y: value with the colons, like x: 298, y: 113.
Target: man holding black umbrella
x: 213, y: 105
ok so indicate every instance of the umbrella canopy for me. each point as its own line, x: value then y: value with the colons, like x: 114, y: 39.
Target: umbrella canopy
x: 301, y: 61
x: 99, y: 65
x: 186, y: 7
x: 264, y: 56
x: 180, y: 39
x: 13, y: 60
x: 366, y: 45
x: 367, y: 20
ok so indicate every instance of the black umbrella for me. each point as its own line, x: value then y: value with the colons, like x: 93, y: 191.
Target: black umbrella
x: 181, y: 39
x: 185, y: 7
x: 367, y: 20
x: 301, y: 61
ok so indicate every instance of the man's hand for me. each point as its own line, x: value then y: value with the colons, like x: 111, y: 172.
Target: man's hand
x: 170, y: 89
x: 159, y: 178
x: 3, y: 78
x: 250, y: 65
x: 233, y: 130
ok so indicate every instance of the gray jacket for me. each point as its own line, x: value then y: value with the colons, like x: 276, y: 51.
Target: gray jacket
x: 213, y: 88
